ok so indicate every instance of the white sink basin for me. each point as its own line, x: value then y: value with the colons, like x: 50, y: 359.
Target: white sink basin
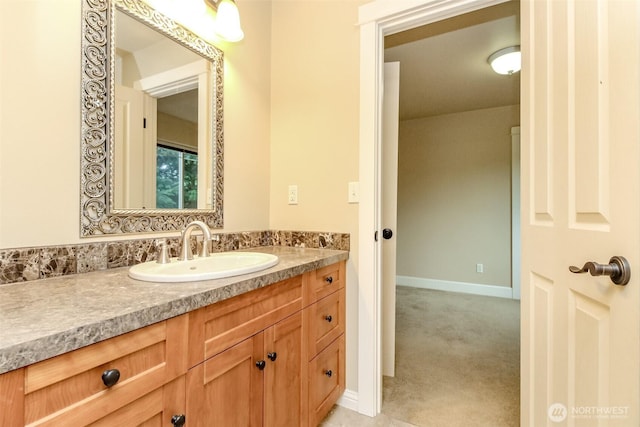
x: 215, y: 266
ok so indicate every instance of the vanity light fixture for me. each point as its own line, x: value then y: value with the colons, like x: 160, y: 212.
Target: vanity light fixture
x: 505, y: 61
x: 227, y: 21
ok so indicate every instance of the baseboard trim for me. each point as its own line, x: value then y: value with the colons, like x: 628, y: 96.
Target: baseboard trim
x: 349, y: 400
x: 463, y: 287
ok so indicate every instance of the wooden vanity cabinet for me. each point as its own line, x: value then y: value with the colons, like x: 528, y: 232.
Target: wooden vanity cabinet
x: 257, y: 382
x: 299, y: 323
x: 324, y: 319
x: 155, y: 409
x: 107, y: 381
x: 253, y: 369
x: 270, y: 357
x: 12, y: 398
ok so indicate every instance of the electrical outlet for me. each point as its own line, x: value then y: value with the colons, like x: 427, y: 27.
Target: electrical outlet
x: 293, y: 195
x: 479, y: 268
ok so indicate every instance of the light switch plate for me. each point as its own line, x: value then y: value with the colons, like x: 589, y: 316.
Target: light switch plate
x: 354, y: 192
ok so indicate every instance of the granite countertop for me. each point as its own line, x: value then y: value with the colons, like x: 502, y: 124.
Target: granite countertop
x: 48, y: 317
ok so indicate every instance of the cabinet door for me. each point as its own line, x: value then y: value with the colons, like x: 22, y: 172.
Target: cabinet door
x: 283, y: 373
x: 227, y: 389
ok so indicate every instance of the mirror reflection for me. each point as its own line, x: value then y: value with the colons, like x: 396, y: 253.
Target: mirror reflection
x: 156, y: 120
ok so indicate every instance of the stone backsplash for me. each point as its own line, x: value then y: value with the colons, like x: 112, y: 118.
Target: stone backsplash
x: 25, y: 264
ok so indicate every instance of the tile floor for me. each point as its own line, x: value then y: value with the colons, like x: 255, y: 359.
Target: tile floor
x: 343, y: 417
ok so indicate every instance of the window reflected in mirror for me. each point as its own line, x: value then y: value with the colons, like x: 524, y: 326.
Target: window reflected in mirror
x: 176, y: 178
x: 155, y: 106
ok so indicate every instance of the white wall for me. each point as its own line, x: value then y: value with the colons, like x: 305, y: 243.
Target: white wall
x: 454, y: 196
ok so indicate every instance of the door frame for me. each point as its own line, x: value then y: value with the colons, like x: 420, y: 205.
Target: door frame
x: 378, y: 19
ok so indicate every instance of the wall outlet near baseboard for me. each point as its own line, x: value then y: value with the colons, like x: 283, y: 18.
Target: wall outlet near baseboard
x: 479, y: 268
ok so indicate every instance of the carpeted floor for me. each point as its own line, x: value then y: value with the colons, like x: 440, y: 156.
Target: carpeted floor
x: 457, y: 363
x: 457, y: 360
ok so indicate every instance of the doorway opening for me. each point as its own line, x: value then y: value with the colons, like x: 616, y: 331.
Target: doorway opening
x: 455, y: 232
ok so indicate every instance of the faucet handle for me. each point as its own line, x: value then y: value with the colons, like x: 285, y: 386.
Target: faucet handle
x: 204, y: 250
x: 163, y: 256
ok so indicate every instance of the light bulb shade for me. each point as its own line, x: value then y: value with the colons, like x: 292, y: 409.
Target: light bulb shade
x: 227, y: 24
x: 506, y: 61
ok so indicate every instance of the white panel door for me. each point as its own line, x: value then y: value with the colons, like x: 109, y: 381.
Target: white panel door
x: 580, y: 202
x: 129, y: 149
x: 389, y: 160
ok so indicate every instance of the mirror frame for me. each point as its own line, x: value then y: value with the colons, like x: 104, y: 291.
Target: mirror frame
x: 97, y: 218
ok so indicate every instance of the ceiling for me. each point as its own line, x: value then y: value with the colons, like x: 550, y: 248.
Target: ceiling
x: 443, y: 66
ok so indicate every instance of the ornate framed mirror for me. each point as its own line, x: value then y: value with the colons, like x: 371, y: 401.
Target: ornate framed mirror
x: 123, y: 174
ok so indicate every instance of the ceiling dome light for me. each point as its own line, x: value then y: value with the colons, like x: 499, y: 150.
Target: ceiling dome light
x: 505, y: 61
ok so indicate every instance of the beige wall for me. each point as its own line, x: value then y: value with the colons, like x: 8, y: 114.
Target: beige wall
x: 314, y: 128
x: 454, y: 196
x: 177, y: 130
x: 291, y: 117
x: 247, y: 119
x: 314, y: 107
x: 40, y: 122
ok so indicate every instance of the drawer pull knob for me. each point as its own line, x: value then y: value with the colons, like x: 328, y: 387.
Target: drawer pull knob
x: 272, y: 356
x: 261, y: 364
x: 110, y: 377
x: 328, y: 318
x: 328, y: 373
x: 178, y: 420
x: 329, y: 279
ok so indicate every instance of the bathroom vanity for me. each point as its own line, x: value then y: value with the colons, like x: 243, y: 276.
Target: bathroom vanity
x: 262, y: 349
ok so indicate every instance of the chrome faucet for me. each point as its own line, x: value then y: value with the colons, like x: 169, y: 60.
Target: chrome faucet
x: 185, y: 251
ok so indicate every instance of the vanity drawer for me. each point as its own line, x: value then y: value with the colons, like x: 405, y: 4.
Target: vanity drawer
x: 215, y: 328
x: 325, y: 321
x: 326, y: 380
x: 325, y: 281
x: 154, y: 409
x: 70, y: 390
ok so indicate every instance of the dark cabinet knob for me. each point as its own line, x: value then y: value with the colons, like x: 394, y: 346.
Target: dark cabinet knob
x: 328, y: 373
x: 328, y: 318
x: 329, y: 279
x: 178, y: 420
x: 110, y: 377
x: 387, y: 233
x: 272, y: 356
x: 261, y: 364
